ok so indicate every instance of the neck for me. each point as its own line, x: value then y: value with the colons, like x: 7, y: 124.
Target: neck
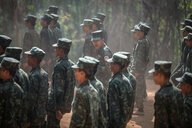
x: 61, y: 56
x: 164, y: 82
x: 34, y: 66
x: 82, y: 81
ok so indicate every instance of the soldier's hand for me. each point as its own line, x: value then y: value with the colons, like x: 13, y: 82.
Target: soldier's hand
x: 59, y: 115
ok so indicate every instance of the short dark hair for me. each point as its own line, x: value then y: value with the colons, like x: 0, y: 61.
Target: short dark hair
x: 120, y: 65
x: 32, y: 23
x: 12, y: 72
x: 66, y: 50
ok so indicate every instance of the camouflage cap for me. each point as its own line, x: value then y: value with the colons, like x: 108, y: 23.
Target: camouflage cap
x: 186, y: 78
x: 14, y: 52
x: 85, y: 64
x: 55, y: 17
x: 126, y: 54
x: 30, y: 18
x: 144, y: 27
x: 47, y: 18
x: 187, y: 28
x: 52, y: 9
x: 135, y: 29
x: 9, y: 63
x: 87, y: 22
x: 93, y: 59
x: 118, y: 58
x: 63, y: 43
x: 187, y: 22
x: 96, y: 21
x: 163, y: 66
x: 101, y: 16
x: 189, y: 37
x: 5, y: 41
x: 36, y: 52
x: 97, y: 35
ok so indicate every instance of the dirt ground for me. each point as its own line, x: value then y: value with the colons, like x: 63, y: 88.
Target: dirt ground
x: 145, y: 121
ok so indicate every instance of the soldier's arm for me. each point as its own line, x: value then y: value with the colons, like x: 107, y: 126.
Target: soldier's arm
x: 161, y: 114
x: 113, y: 105
x: 140, y: 58
x: 79, y: 111
x: 59, y: 84
x: 187, y: 111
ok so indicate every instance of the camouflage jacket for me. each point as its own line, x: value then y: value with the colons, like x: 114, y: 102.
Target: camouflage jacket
x: 57, y: 25
x: 31, y: 39
x: 132, y: 80
x: 38, y: 95
x: 85, y: 108
x: 62, y: 88
x: 22, y: 79
x: 47, y: 39
x: 11, y: 97
x: 103, y: 101
x: 188, y: 111
x: 88, y: 48
x: 104, y: 34
x: 119, y: 99
x: 103, y: 71
x: 168, y: 107
x: 56, y: 33
x: 141, y: 55
x: 188, y: 66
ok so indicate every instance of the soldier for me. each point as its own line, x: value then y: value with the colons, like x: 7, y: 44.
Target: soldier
x: 88, y: 48
x: 129, y: 76
x: 85, y: 107
x: 141, y: 59
x: 178, y: 71
x: 11, y: 95
x: 38, y: 91
x: 103, y: 54
x: 53, y: 10
x: 96, y: 24
x: 5, y: 41
x: 31, y: 37
x: 188, y: 66
x: 47, y: 41
x: 101, y: 91
x: 63, y: 83
x: 168, y: 99
x: 101, y: 16
x: 20, y: 78
x: 120, y: 94
x: 186, y: 88
x: 56, y: 31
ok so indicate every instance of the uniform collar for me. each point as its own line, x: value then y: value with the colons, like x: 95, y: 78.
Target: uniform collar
x: 116, y: 74
x: 189, y: 95
x: 63, y: 58
x: 86, y: 83
x: 36, y: 68
x: 168, y: 84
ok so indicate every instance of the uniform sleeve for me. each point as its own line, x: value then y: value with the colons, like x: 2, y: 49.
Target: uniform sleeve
x: 140, y: 58
x: 59, y: 86
x: 79, y: 112
x: 187, y: 112
x: 113, y: 106
x: 189, y: 63
x: 161, y: 115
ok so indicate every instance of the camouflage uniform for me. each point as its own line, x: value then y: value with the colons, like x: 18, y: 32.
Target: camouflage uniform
x: 11, y: 100
x: 140, y: 55
x: 103, y: 101
x: 88, y: 48
x: 168, y: 107
x: 85, y: 108
x: 38, y: 91
x: 188, y: 66
x: 119, y: 102
x: 103, y: 72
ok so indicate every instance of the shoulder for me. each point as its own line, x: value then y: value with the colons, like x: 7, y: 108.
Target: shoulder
x: 188, y: 101
x: 43, y: 73
x: 17, y: 88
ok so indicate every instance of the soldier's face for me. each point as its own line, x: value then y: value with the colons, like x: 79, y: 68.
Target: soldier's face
x: 185, y: 88
x: 1, y: 50
x: 86, y: 29
x: 58, y: 51
x: 98, y: 43
x: 114, y: 68
x: 185, y: 33
x: 31, y: 60
x: 4, y: 74
x: 158, y: 78
x: 43, y: 23
x: 135, y: 36
x: 52, y: 23
x: 79, y: 75
x: 94, y: 27
x: 189, y: 43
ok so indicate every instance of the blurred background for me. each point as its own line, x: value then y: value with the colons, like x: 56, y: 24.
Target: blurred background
x: 163, y: 16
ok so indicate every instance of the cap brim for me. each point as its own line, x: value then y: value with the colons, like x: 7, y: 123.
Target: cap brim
x: 98, y: 38
x: 110, y: 60
x: 28, y: 53
x: 182, y: 29
x: 151, y: 71
x: 81, y: 25
x: 75, y: 66
x: 182, y: 23
x: 133, y: 30
x: 179, y: 79
x: 185, y: 38
x: 54, y: 45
